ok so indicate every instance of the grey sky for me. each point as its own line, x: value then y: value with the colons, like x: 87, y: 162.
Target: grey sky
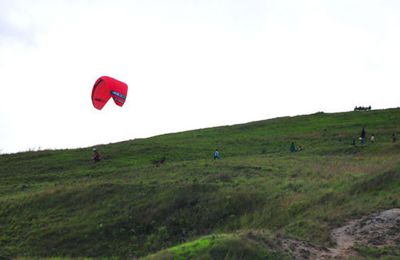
x: 188, y: 64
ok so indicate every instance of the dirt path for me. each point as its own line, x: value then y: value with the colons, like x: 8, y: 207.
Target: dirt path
x: 376, y: 230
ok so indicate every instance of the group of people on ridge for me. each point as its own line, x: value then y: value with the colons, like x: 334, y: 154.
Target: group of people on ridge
x: 362, y: 108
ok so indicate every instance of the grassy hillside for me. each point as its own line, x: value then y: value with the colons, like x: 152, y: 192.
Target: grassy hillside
x: 61, y: 204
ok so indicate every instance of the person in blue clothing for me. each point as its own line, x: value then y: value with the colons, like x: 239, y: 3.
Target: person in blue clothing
x: 292, y: 147
x: 362, y: 136
x: 216, y: 154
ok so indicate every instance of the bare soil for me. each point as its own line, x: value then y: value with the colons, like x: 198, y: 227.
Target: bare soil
x: 376, y: 230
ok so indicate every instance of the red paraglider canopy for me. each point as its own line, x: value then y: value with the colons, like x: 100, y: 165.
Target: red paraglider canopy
x: 107, y: 87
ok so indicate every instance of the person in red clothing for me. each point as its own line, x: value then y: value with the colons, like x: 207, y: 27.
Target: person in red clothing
x: 96, y: 155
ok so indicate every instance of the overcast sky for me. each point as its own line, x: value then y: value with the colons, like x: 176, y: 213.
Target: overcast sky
x: 188, y: 64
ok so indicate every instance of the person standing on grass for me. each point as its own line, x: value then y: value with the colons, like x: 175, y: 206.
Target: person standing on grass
x: 363, y: 133
x: 216, y: 154
x: 96, y: 155
x: 394, y: 138
x: 292, y: 147
x: 372, y: 138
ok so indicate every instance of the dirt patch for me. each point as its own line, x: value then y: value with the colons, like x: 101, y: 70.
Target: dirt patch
x: 301, y: 249
x: 376, y: 230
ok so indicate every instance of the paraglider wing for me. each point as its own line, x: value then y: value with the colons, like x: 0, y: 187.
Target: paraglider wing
x: 100, y: 93
x: 107, y: 87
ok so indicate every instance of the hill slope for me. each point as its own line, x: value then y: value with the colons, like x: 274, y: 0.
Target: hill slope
x: 59, y: 203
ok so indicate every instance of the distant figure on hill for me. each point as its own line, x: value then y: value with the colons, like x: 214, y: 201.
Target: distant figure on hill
x: 159, y: 162
x: 216, y: 154
x: 394, y: 138
x: 96, y: 155
x: 363, y: 133
x: 372, y: 138
x: 292, y: 147
x: 353, y: 141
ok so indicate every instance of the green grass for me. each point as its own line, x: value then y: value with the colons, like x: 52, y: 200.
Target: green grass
x: 222, y: 246
x: 59, y: 204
